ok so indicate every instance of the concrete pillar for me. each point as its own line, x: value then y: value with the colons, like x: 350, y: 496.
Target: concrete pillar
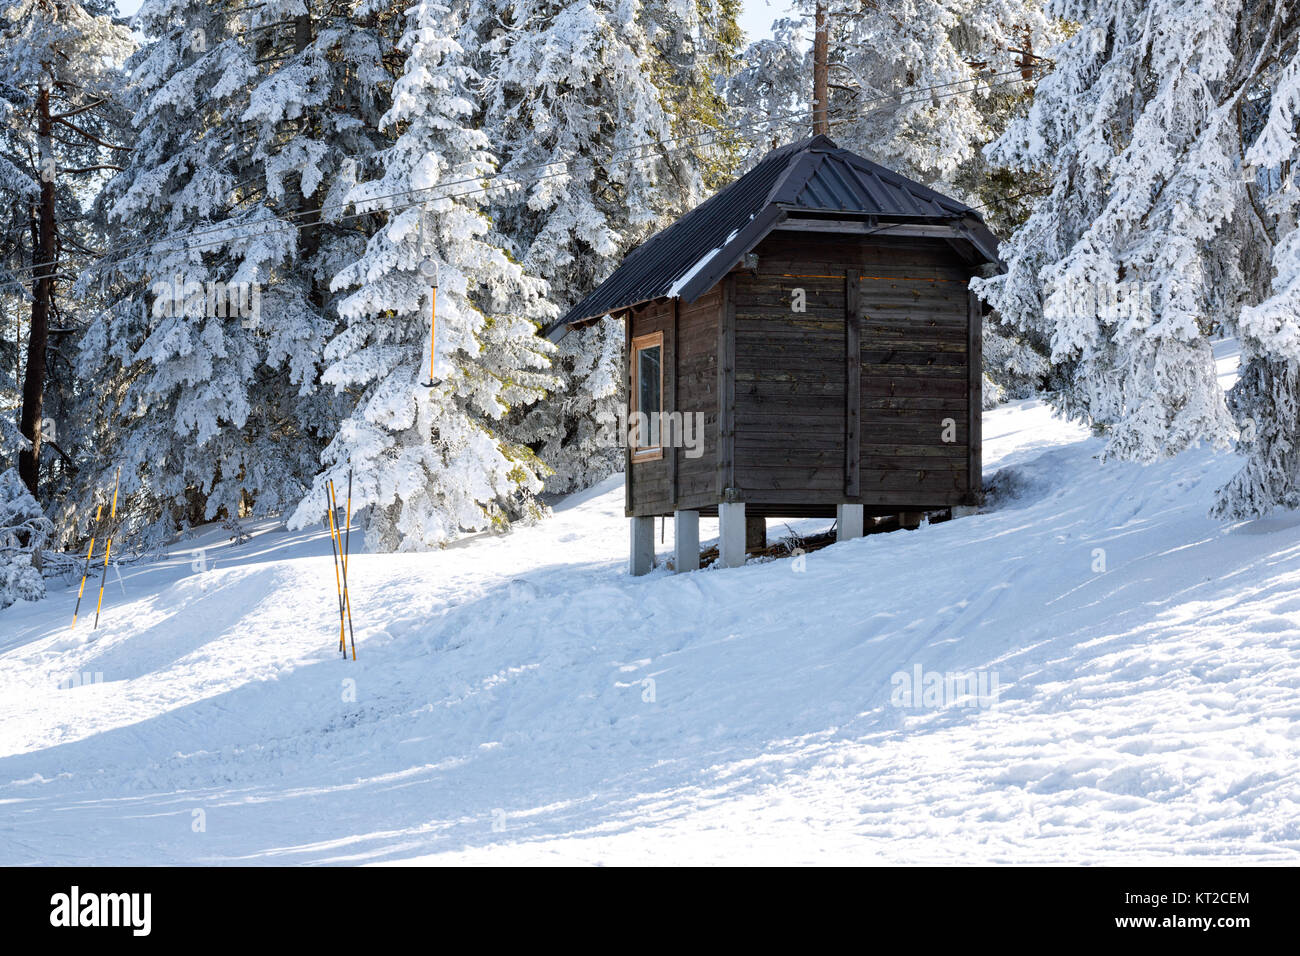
x: 731, y: 534
x: 686, y: 531
x: 848, y: 522
x: 642, y: 556
x: 755, y: 534
x: 910, y: 519
x: 964, y: 511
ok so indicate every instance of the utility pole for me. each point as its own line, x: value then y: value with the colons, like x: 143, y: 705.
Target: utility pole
x: 821, y: 71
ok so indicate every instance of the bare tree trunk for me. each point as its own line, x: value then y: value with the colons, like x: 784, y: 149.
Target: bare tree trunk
x: 42, y: 295
x: 821, y: 71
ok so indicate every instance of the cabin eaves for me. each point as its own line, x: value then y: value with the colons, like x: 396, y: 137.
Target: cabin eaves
x: 812, y: 185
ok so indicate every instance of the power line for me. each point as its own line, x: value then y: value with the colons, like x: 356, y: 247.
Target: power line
x: 511, y: 177
x: 505, y: 180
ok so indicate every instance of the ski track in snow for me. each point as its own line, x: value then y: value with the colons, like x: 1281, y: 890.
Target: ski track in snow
x: 1150, y: 713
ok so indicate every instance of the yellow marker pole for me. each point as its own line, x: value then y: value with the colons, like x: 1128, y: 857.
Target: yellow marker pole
x: 347, y: 600
x: 86, y: 573
x: 347, y: 547
x: 329, y: 499
x: 338, y: 588
x: 433, y: 328
x: 108, y: 548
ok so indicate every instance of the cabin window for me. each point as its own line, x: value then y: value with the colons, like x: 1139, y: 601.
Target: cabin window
x: 647, y: 399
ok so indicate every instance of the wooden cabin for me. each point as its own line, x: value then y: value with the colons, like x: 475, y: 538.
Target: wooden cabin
x: 814, y: 317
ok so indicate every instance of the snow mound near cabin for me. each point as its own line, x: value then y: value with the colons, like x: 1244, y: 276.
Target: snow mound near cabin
x: 521, y: 699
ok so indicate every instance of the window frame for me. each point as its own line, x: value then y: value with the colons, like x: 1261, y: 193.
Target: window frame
x: 639, y: 344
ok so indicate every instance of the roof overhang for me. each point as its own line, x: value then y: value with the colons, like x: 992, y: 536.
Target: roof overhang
x: 972, y: 239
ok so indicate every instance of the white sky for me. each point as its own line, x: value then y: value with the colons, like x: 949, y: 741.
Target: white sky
x: 757, y: 17
x: 756, y: 20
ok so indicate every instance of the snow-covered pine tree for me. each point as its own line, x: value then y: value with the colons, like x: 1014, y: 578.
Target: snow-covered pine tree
x: 769, y: 92
x: 252, y: 122
x: 920, y: 86
x: 431, y: 463
x: 1147, y: 242
x: 571, y: 106
x: 573, y: 428
x: 1266, y: 399
x: 59, y: 139
x: 697, y: 46
x: 23, y: 530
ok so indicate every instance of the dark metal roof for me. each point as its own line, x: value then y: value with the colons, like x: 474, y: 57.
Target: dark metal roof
x: 814, y: 176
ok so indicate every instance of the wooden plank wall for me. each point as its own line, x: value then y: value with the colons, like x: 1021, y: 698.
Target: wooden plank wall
x: 792, y: 378
x: 794, y: 427
x: 649, y: 481
x: 915, y: 380
x: 790, y: 384
x: 697, y: 391
x: 658, y: 487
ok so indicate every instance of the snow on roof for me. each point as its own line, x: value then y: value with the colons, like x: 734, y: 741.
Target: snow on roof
x: 688, y: 258
x: 694, y: 270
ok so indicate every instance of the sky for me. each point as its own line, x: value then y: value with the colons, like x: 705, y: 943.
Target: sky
x: 756, y: 20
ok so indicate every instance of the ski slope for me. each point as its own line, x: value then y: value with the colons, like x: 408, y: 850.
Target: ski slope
x: 520, y: 699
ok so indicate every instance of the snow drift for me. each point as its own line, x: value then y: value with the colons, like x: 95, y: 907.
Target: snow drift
x: 520, y: 698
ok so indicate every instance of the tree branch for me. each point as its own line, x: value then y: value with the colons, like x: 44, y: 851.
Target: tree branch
x: 93, y: 138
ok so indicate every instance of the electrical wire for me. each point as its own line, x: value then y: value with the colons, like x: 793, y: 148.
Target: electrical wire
x: 510, y: 180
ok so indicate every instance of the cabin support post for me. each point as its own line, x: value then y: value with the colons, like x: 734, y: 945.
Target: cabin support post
x: 642, y: 556
x: 731, y: 534
x: 755, y: 534
x: 848, y: 522
x: 686, y: 532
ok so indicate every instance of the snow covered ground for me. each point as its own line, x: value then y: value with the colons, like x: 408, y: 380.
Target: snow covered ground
x: 521, y: 699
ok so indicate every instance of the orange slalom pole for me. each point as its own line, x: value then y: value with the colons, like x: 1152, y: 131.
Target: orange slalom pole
x: 329, y: 499
x: 433, y: 325
x: 86, y: 573
x: 347, y: 547
x: 433, y: 328
x: 347, y: 600
x: 108, y: 548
